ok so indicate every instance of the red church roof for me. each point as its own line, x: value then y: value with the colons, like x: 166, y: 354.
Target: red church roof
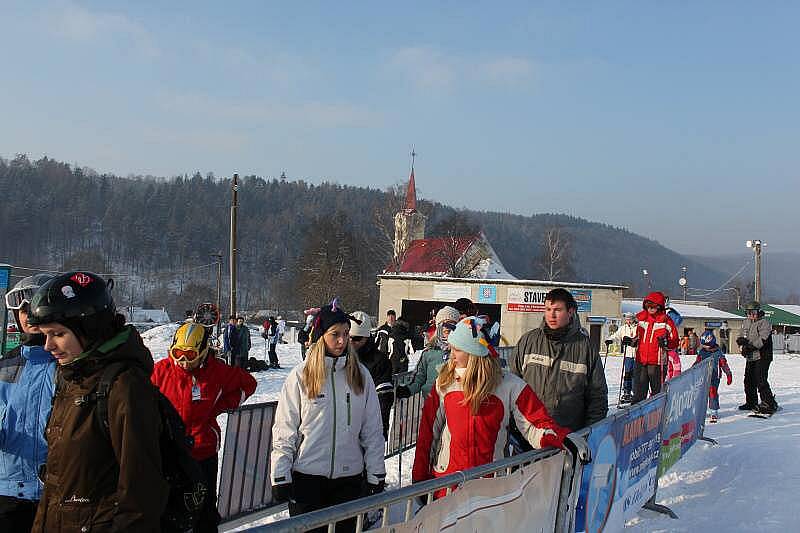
x: 429, y: 255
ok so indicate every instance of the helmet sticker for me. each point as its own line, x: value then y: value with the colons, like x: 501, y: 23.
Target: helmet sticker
x: 67, y: 291
x: 81, y: 279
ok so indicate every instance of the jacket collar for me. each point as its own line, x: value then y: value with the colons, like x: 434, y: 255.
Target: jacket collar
x: 36, y: 354
x: 339, y: 362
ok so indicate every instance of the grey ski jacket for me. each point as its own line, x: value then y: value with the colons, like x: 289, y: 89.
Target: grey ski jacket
x: 566, y: 376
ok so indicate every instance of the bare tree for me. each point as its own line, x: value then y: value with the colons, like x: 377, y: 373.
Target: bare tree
x: 555, y: 259
x: 329, y: 265
x: 458, y: 261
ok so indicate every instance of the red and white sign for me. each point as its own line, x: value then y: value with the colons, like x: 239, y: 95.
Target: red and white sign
x: 526, y: 300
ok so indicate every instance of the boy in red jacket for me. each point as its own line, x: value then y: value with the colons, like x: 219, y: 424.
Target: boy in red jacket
x: 201, y: 387
x: 656, y: 334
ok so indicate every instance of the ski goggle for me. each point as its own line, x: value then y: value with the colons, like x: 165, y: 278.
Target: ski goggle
x: 16, y: 298
x: 184, y: 355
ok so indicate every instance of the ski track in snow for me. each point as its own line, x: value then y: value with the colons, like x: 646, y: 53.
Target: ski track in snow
x: 747, y: 483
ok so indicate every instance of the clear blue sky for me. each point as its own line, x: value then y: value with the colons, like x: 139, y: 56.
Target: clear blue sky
x: 676, y: 120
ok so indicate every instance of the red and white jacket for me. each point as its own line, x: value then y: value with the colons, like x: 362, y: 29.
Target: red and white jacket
x: 651, y: 327
x: 220, y: 387
x: 452, y: 438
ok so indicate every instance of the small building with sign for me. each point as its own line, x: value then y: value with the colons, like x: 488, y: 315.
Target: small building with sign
x: 428, y: 273
x: 517, y: 304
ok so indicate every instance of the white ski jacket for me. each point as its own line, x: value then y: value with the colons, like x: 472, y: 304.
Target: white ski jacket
x: 338, y: 434
x: 626, y: 330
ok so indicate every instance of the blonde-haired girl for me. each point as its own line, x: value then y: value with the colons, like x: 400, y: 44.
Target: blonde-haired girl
x: 328, y: 434
x: 465, y: 418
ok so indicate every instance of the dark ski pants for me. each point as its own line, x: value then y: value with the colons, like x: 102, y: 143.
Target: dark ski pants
x: 755, y: 382
x: 310, y: 493
x: 628, y: 365
x: 646, y: 377
x: 209, y: 517
x: 16, y: 514
x: 273, y: 355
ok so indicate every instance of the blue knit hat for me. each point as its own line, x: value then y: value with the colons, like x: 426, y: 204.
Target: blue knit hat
x: 468, y: 337
x: 708, y: 338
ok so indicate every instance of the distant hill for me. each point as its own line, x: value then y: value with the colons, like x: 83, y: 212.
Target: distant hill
x: 780, y: 271
x: 157, y: 236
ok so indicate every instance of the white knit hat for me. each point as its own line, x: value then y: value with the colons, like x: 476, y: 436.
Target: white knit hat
x: 446, y: 314
x: 363, y: 329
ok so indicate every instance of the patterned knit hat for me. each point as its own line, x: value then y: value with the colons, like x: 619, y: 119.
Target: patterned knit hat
x: 468, y: 337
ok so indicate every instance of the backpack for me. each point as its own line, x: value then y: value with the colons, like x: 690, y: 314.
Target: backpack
x: 187, y: 482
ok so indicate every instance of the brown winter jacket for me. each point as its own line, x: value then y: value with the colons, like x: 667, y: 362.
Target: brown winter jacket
x: 93, y: 483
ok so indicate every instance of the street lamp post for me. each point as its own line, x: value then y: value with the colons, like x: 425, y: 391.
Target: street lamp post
x: 756, y: 245
x: 646, y: 275
x: 683, y: 282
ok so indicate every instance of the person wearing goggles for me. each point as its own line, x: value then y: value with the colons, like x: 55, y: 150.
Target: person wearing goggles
x: 27, y: 384
x: 433, y: 356
x: 201, y: 387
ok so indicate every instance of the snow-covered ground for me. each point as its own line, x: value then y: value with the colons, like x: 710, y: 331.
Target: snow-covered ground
x: 747, y: 483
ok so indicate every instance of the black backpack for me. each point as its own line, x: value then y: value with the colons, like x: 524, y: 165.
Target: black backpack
x: 187, y: 482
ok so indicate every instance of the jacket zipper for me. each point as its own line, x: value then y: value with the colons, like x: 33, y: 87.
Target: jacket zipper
x: 333, y: 389
x: 348, y: 409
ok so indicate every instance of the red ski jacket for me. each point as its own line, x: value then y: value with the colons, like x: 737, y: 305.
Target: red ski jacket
x: 219, y: 388
x: 651, y: 328
x: 452, y: 438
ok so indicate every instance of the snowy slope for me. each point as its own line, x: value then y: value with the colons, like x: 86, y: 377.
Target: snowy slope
x: 747, y: 483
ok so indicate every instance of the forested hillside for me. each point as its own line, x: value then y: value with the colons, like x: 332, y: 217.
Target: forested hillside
x: 298, y: 242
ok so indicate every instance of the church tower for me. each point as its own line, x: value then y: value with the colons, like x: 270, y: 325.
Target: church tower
x: 409, y: 224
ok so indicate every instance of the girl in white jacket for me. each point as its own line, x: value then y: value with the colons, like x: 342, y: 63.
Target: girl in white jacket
x: 327, y: 440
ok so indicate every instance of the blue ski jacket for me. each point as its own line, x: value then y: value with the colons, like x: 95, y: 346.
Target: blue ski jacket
x: 27, y: 384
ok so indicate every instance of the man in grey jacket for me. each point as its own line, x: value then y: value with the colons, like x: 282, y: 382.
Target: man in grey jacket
x: 557, y: 361
x: 755, y: 344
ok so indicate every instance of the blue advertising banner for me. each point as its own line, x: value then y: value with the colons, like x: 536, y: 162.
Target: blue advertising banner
x: 623, y: 473
x: 584, y: 299
x: 685, y: 416
x: 4, y: 275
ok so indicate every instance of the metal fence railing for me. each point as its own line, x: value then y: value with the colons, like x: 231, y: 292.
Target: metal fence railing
x: 405, y: 497
x: 244, y: 484
x: 404, y: 421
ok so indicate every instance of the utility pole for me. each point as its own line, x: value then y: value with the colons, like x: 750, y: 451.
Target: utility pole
x: 218, y: 257
x: 756, y: 245
x: 234, y: 208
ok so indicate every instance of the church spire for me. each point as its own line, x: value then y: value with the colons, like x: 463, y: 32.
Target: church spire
x: 411, y: 192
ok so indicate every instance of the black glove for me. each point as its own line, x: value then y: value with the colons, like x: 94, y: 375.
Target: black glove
x: 402, y: 392
x: 282, y: 493
x: 741, y: 341
x: 609, y: 342
x: 627, y: 341
x: 663, y: 342
x: 374, y: 488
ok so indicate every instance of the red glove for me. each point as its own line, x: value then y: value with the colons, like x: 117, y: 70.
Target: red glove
x: 550, y: 440
x: 730, y: 379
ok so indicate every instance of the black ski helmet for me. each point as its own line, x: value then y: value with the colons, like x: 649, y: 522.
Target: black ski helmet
x: 73, y: 295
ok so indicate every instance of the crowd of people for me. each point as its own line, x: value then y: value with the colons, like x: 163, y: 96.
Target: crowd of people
x: 84, y: 411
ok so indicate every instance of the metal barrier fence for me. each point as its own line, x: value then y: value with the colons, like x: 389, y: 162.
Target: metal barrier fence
x: 245, y: 485
x: 404, y: 422
x: 405, y: 497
